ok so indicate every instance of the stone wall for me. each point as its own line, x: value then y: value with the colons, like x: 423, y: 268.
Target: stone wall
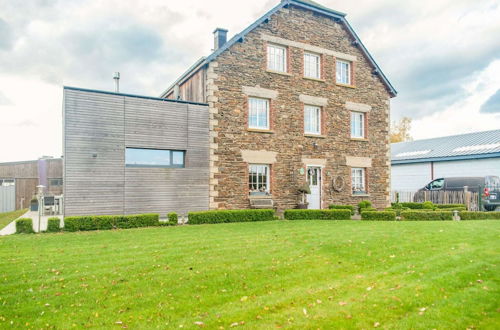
x: 243, y: 66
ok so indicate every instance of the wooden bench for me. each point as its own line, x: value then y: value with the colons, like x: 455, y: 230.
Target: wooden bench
x: 261, y: 203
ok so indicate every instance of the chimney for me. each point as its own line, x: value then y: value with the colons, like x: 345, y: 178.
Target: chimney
x: 116, y: 78
x: 220, y: 38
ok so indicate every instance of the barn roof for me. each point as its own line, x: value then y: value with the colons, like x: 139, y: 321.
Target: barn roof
x: 465, y: 146
x: 306, y: 4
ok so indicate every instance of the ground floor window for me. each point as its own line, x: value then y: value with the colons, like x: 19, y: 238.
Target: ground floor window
x: 258, y: 179
x: 7, y: 182
x: 358, y: 180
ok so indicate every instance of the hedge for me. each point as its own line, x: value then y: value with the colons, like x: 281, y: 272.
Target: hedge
x: 24, y: 226
x: 53, y: 225
x: 106, y: 222
x: 173, y: 219
x: 397, y: 210
x: 413, y: 206
x: 378, y: 215
x: 342, y: 207
x: 465, y: 215
x: 451, y: 206
x: 221, y: 216
x: 422, y: 215
x: 318, y: 214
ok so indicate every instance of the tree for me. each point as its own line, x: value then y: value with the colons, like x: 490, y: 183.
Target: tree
x: 400, y: 131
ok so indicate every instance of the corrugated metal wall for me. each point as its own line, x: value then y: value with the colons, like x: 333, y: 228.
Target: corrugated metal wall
x: 104, y: 124
x: 7, y: 198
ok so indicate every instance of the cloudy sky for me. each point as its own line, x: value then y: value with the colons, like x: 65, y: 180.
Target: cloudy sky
x: 443, y: 57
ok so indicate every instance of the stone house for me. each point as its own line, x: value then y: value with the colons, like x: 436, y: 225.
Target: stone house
x: 295, y: 98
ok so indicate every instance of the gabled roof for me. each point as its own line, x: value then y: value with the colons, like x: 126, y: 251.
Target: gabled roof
x: 305, y: 4
x: 465, y: 146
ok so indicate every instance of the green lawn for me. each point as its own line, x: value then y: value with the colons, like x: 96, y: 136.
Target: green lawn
x: 8, y: 217
x: 293, y: 274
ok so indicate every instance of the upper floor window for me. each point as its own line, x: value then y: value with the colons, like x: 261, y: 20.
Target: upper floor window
x: 258, y: 113
x: 357, y: 125
x: 343, y: 72
x: 276, y: 58
x: 358, y: 180
x: 258, y: 179
x: 135, y: 157
x: 312, y: 119
x: 312, y: 66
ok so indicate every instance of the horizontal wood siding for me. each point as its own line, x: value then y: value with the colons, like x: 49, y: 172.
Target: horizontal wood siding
x: 93, y: 124
x: 106, y: 124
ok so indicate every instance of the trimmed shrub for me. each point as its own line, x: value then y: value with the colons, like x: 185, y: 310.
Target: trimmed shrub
x: 221, y: 216
x: 342, y: 207
x: 364, y: 204
x: 397, y: 210
x: 466, y: 215
x: 451, y: 206
x: 173, y: 218
x: 107, y: 222
x: 427, y: 205
x: 24, y: 226
x: 53, y: 225
x: 378, y: 215
x: 426, y: 216
x: 413, y: 206
x: 318, y: 214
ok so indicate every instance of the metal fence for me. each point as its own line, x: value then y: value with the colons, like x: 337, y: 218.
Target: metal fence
x: 470, y: 199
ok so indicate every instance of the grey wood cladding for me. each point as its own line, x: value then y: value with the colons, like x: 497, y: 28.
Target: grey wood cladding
x: 98, y: 126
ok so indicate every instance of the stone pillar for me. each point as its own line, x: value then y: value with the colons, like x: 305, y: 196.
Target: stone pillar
x: 213, y: 111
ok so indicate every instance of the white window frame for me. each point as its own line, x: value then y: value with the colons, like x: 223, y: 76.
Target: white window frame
x: 312, y: 66
x: 358, y: 180
x: 310, y: 111
x: 275, y: 62
x: 260, y: 169
x: 358, y: 125
x: 343, y: 72
x: 252, y: 103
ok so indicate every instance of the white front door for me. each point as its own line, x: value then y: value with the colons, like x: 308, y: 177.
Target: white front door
x: 314, y: 181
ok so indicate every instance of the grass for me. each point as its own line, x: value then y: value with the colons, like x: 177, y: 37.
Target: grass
x: 8, y: 217
x: 294, y: 274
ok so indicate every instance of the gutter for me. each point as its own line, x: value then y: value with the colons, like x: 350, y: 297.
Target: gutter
x: 444, y: 159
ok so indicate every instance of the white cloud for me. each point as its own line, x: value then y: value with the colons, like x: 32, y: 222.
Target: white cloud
x: 464, y: 116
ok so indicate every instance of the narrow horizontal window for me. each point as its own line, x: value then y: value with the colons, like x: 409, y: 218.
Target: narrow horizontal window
x: 56, y: 182
x: 135, y: 157
x: 258, y: 113
x: 312, y: 119
x: 276, y: 58
x: 7, y: 182
x: 343, y: 72
x: 312, y: 66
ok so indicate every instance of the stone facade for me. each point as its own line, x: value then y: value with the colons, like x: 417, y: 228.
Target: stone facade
x: 241, y: 71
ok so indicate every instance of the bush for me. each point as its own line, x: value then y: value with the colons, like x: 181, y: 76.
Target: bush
x: 451, y: 206
x: 381, y: 215
x: 466, y: 215
x: 397, y: 210
x: 413, y: 206
x: 427, y: 205
x: 342, y: 207
x: 364, y: 205
x: 107, y: 222
x: 318, y: 214
x: 173, y: 218
x: 53, y: 225
x: 24, y: 226
x: 423, y: 216
x: 220, y: 216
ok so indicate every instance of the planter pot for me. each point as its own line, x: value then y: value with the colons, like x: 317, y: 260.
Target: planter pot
x: 302, y: 206
x: 34, y: 206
